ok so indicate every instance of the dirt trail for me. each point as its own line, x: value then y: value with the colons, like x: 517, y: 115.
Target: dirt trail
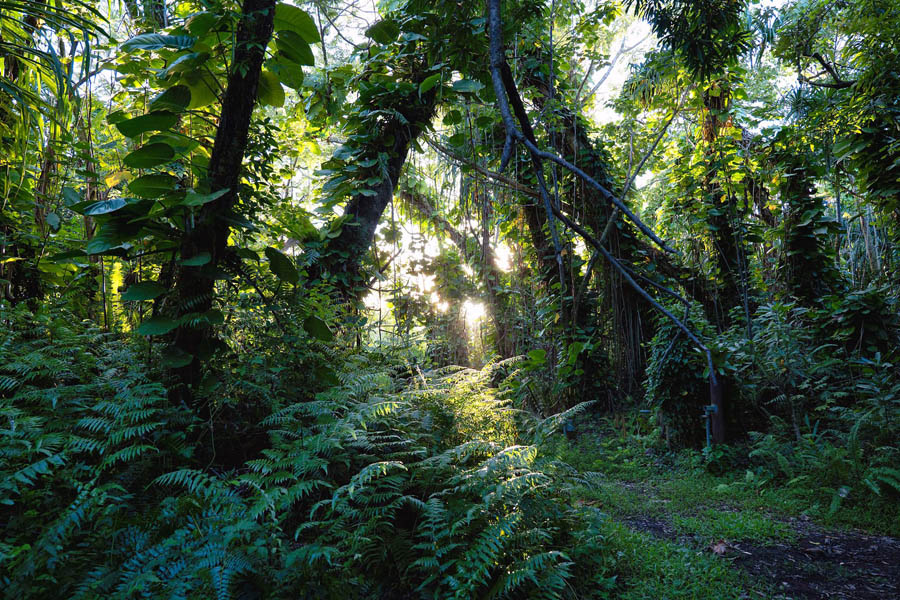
x: 819, y: 564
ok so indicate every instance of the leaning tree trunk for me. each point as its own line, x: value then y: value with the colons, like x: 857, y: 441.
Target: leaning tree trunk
x: 194, y: 285
x: 343, y: 257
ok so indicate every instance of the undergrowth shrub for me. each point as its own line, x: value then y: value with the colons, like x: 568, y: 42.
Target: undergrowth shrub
x: 373, y: 488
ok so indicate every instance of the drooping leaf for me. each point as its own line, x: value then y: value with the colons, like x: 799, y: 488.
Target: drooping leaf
x: 100, y: 208
x: 153, y: 185
x: 150, y: 155
x: 291, y: 18
x: 282, y: 266
x: 467, y: 85
x: 145, y: 290
x: 53, y: 221
x: 173, y: 357
x: 194, y: 199
x: 157, y: 41
x: 175, y: 99
x: 158, y: 325
x: 197, y: 260
x: 203, y: 88
x: 71, y: 196
x: 429, y: 82
x: 270, y: 91
x: 383, y: 32
x: 294, y: 48
x: 289, y: 73
x: 154, y: 121
x: 317, y: 328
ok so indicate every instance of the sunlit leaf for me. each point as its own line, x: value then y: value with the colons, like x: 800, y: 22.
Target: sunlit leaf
x: 291, y: 18
x: 270, y: 91
x: 157, y: 41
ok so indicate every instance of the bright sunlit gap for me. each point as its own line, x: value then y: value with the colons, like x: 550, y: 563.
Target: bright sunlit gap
x: 474, y: 312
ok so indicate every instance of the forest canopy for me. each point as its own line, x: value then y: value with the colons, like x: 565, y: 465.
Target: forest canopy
x: 381, y: 298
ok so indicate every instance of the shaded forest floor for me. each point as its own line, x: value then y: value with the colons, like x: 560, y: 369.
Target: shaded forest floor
x: 679, y: 531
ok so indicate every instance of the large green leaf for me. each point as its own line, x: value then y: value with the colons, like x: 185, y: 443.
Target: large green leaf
x: 204, y: 89
x: 90, y: 209
x: 150, y: 155
x: 282, y: 266
x: 158, y: 325
x: 294, y: 48
x: 145, y: 290
x: 157, y: 41
x: 291, y: 18
x: 154, y: 121
x: 270, y: 91
x: 383, y: 32
x: 317, y: 328
x: 198, y: 260
x: 153, y: 185
x: 289, y: 73
x: 53, y: 221
x: 429, y: 82
x: 176, y: 98
x: 467, y: 85
x: 173, y: 357
x: 194, y: 199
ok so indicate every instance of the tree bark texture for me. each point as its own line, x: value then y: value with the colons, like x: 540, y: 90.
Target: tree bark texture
x: 194, y: 285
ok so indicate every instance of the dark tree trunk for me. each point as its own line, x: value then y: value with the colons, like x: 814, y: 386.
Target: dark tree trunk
x: 194, y: 286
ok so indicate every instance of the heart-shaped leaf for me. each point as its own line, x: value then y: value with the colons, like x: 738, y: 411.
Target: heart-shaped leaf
x: 282, y: 266
x: 154, y: 121
x: 153, y: 185
x: 291, y: 18
x: 151, y: 155
x: 158, y: 325
x: 145, y: 290
x: 176, y: 99
x: 157, y: 41
x: 197, y: 260
x: 317, y: 328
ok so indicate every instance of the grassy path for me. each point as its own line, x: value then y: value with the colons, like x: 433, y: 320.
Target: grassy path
x: 678, y: 532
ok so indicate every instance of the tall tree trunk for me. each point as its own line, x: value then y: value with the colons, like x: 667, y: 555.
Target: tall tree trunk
x: 194, y: 285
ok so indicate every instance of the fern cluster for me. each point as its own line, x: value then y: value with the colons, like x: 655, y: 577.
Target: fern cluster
x: 376, y: 488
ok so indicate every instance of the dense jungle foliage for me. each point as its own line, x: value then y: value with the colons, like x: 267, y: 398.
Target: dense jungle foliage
x: 407, y: 299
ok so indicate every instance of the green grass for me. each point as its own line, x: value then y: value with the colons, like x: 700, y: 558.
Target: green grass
x: 656, y: 569
x: 683, y: 508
